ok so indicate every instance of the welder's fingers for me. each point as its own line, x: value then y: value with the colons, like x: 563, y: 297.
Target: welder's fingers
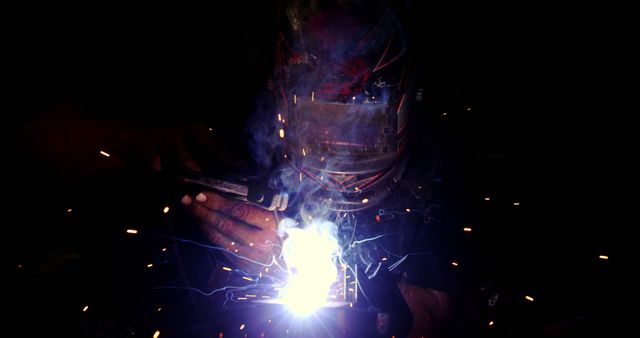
x: 229, y: 226
x: 219, y: 239
x: 247, y: 257
x: 238, y: 231
x: 243, y: 211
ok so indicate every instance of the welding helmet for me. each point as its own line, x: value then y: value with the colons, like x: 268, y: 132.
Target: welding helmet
x: 341, y: 84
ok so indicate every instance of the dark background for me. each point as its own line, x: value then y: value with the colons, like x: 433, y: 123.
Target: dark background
x: 535, y: 93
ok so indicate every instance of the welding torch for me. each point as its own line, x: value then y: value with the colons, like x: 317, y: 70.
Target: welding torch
x: 252, y: 191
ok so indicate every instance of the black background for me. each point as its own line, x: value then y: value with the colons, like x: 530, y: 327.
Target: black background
x: 545, y: 86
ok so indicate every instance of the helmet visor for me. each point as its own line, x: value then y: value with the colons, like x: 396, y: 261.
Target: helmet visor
x: 343, y: 137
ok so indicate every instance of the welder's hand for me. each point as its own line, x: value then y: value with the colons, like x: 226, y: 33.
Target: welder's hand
x: 431, y: 310
x: 244, y: 229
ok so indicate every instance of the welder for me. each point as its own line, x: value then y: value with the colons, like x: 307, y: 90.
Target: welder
x: 343, y: 140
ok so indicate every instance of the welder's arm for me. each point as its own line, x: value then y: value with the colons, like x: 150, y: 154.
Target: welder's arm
x: 431, y: 310
x: 244, y: 229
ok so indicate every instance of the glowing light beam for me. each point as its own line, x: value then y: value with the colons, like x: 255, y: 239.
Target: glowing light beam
x: 310, y: 254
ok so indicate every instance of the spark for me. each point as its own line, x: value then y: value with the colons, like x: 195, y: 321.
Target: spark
x: 353, y: 98
x: 467, y: 229
x: 529, y: 298
x: 454, y: 263
x: 233, y: 243
x: 242, y: 327
x: 295, y: 99
x: 366, y: 240
x: 304, y: 152
x: 226, y: 268
x: 165, y: 210
x: 132, y: 231
x: 266, y: 269
x: 164, y: 249
x: 205, y: 293
x: 247, y: 278
x: 491, y: 323
x: 104, y: 153
x: 407, y: 210
x: 251, y: 244
x: 300, y: 177
x: 365, y: 200
x: 487, y: 198
x: 242, y: 298
x: 85, y: 308
x: 149, y: 265
x: 214, y: 247
x: 156, y: 334
x: 313, y: 96
x: 69, y: 210
x: 250, y: 296
x: 603, y: 257
x: 384, y: 258
x: 279, y: 117
x: 281, y: 133
x: 210, y: 129
x: 159, y: 309
x: 516, y: 203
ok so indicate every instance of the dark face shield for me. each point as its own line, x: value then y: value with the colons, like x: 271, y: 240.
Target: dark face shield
x: 342, y: 138
x: 354, y: 149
